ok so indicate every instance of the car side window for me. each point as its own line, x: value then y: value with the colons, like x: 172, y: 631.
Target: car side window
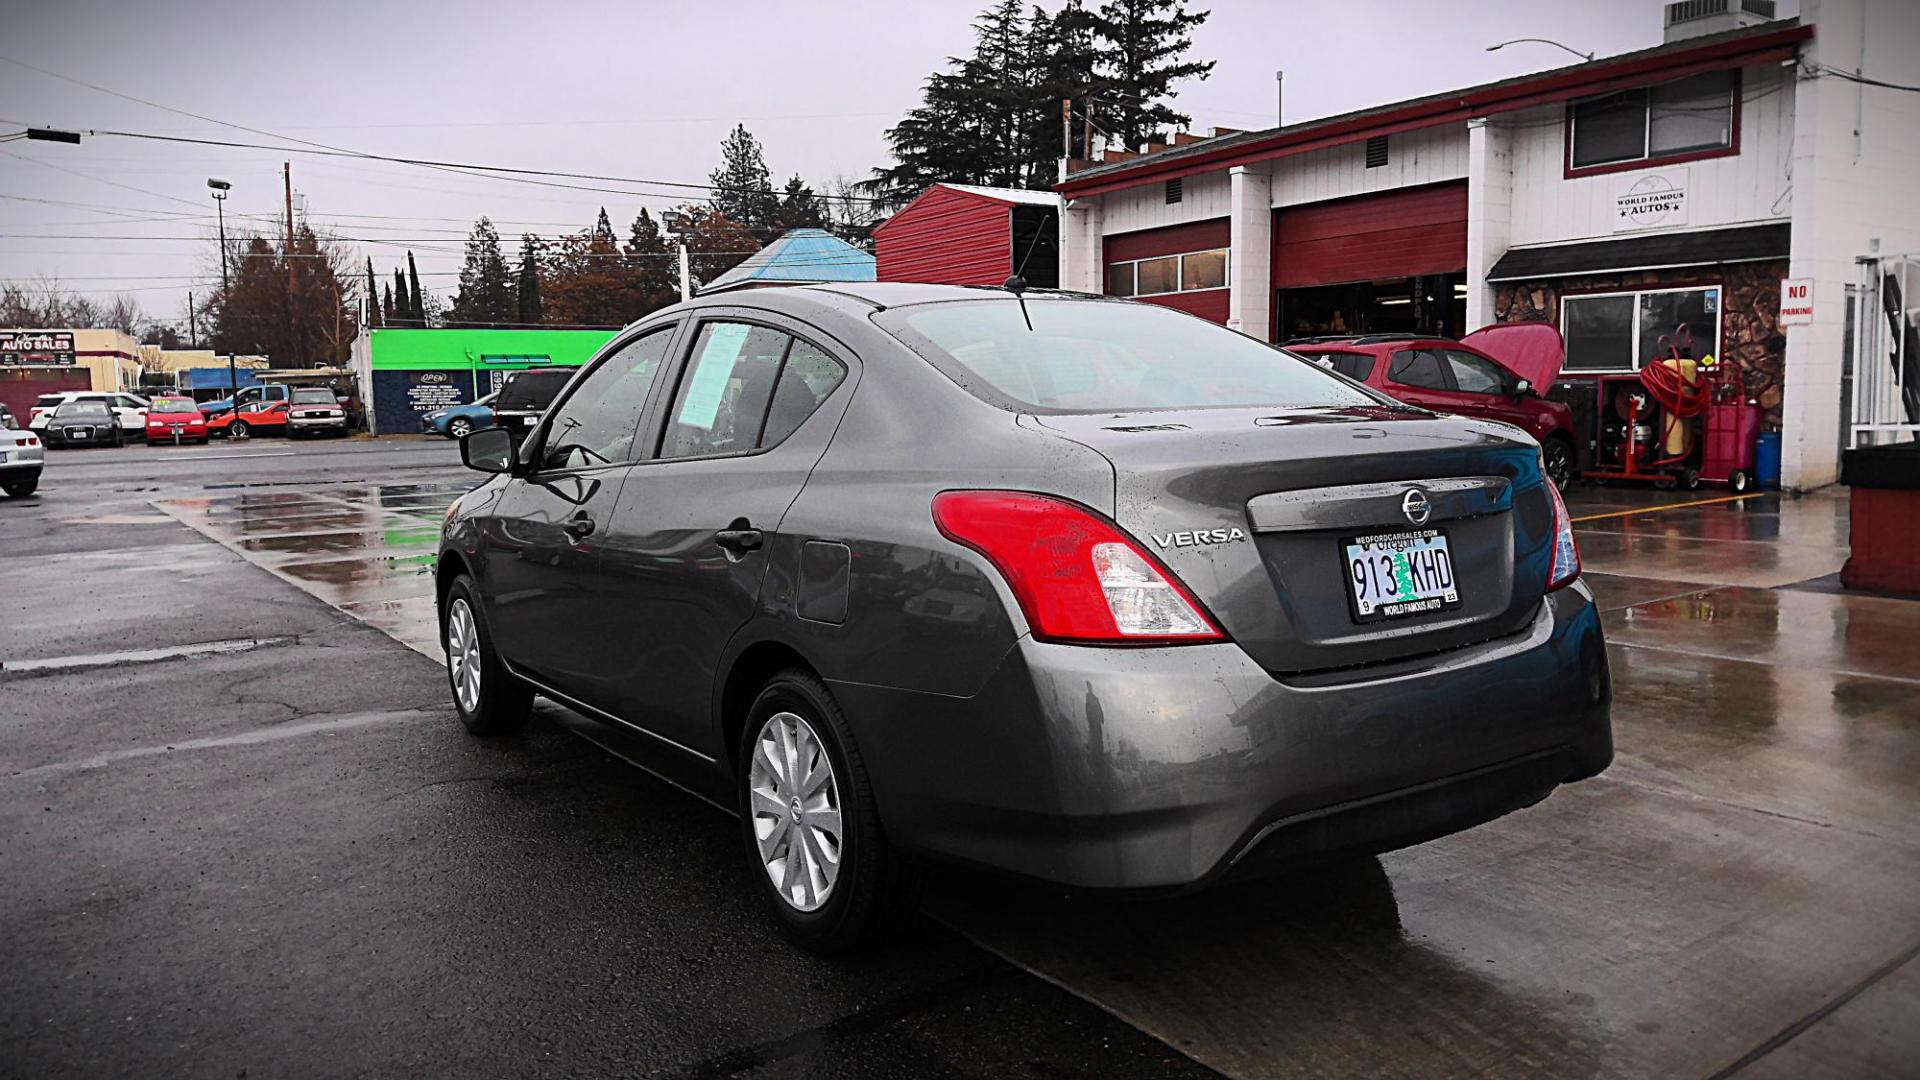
x: 721, y: 403
x: 1476, y: 374
x: 1356, y: 366
x: 599, y: 421
x: 1419, y: 368
x: 806, y: 379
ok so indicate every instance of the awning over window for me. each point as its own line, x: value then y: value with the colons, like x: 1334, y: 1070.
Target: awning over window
x: 1744, y: 243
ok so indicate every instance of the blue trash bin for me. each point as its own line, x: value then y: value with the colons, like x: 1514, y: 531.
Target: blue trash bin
x: 1766, y: 461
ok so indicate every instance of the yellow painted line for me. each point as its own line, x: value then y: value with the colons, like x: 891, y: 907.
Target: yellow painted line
x: 1672, y: 506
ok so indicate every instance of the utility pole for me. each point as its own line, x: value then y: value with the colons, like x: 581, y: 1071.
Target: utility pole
x: 220, y: 188
x: 686, y: 278
x: 1089, y: 153
x: 293, y: 321
x: 1066, y: 128
x: 193, y: 328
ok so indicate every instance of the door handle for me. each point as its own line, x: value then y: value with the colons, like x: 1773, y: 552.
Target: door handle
x: 740, y: 539
x: 579, y: 525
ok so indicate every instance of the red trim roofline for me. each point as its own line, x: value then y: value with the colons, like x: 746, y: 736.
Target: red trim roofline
x: 1512, y: 95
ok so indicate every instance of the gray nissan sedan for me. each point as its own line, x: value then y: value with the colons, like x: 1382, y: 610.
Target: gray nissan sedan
x: 1083, y: 589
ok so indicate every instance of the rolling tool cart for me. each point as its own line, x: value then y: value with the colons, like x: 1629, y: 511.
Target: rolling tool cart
x: 1676, y: 423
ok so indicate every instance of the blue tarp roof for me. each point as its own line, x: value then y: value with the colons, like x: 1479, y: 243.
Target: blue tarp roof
x: 201, y: 378
x: 800, y: 256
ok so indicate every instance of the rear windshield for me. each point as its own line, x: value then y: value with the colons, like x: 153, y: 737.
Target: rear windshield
x: 167, y: 405
x: 314, y: 397
x: 532, y: 389
x: 1352, y: 365
x: 48, y: 401
x: 1093, y: 356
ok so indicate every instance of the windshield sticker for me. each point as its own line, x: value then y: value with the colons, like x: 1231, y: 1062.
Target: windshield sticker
x: 710, y: 374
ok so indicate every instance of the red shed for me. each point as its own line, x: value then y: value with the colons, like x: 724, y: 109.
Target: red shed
x: 959, y: 234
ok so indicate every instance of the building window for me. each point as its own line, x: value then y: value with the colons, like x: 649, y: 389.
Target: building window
x: 1188, y: 272
x: 1176, y: 190
x: 1691, y: 117
x: 1376, y: 151
x: 1626, y: 331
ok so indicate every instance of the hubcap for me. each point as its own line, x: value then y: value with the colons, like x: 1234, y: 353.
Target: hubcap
x: 459, y: 428
x: 796, y: 811
x: 463, y: 656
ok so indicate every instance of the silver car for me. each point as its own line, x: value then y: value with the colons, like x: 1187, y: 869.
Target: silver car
x: 1084, y: 589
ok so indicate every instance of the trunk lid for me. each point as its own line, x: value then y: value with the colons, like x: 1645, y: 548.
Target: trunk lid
x: 1535, y: 351
x: 1252, y: 509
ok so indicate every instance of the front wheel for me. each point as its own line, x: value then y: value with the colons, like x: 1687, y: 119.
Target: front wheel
x: 459, y: 429
x: 237, y: 430
x: 1557, y: 458
x: 811, y: 829
x: 490, y: 701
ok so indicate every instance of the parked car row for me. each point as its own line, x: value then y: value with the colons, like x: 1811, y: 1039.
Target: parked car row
x: 76, y: 418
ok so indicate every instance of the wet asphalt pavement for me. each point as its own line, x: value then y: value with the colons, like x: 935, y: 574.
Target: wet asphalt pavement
x: 241, y: 832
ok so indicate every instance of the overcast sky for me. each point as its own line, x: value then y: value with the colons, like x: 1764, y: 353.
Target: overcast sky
x: 629, y: 89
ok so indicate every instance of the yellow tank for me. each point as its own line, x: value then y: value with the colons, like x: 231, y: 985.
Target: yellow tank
x: 1677, y: 439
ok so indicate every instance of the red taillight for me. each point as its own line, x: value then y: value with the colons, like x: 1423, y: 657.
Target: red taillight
x: 31, y: 441
x: 1566, y: 552
x: 1078, y: 578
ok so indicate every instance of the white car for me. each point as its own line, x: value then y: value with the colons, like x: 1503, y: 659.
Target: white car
x: 129, y: 409
x: 22, y: 455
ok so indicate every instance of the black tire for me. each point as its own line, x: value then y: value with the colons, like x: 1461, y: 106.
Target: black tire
x: 1690, y: 479
x: 878, y: 888
x: 20, y: 487
x: 237, y: 430
x: 459, y: 428
x: 1739, y: 481
x: 504, y: 702
x: 1557, y: 454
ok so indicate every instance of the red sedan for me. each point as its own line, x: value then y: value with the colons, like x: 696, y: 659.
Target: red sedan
x: 175, y: 420
x: 257, y: 418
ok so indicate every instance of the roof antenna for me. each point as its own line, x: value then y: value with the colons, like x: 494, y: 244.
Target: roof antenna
x: 1017, y: 285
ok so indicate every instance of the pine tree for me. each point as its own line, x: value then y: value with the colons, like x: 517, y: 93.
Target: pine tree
x: 1065, y: 61
x: 1143, y: 45
x: 486, y: 289
x: 390, y: 318
x: 742, y: 186
x: 528, y: 309
x: 375, y: 317
x: 651, y: 264
x: 418, y: 302
x: 800, y: 208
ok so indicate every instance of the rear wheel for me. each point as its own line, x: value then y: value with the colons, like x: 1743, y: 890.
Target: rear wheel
x: 490, y: 700
x: 238, y: 429
x: 809, y: 823
x: 20, y: 486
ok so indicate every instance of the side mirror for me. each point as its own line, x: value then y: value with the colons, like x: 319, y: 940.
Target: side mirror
x: 488, y: 450
x: 1522, y: 388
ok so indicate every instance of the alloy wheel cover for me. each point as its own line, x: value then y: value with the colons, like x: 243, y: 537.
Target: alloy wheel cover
x: 794, y: 804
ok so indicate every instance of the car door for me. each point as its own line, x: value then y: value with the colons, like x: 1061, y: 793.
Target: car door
x: 541, y: 544
x: 1482, y: 387
x: 1420, y: 376
x: 131, y: 412
x: 696, y: 523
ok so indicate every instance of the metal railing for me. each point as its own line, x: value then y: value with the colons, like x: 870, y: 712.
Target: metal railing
x: 1886, y: 352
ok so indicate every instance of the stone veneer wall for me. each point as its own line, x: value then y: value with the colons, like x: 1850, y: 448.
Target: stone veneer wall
x: 1750, y: 334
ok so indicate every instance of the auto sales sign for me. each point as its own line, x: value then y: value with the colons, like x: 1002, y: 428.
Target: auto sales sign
x: 23, y: 347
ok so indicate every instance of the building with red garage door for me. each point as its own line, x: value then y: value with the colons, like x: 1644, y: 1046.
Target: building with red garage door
x: 959, y: 234
x: 1655, y: 201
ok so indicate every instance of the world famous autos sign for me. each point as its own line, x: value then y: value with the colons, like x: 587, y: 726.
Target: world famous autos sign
x: 23, y: 347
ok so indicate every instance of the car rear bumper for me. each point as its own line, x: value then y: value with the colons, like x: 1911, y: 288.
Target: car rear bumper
x: 1167, y: 768
x: 22, y: 459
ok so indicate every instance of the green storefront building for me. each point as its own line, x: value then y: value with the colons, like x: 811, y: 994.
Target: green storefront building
x: 410, y: 373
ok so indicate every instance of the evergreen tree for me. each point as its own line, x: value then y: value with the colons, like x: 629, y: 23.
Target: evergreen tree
x: 742, y: 186
x: 375, y: 317
x: 652, y: 265
x: 486, y: 289
x: 800, y: 208
x: 1065, y: 61
x: 390, y: 318
x: 528, y: 309
x: 1143, y: 46
x: 418, y: 303
x: 399, y: 304
x: 588, y: 282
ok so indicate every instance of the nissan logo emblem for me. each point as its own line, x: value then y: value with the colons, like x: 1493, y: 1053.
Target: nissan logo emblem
x: 1416, y: 507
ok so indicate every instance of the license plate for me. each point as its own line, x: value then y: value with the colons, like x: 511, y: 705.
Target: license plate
x: 3, y: 457
x: 528, y: 420
x: 1393, y: 575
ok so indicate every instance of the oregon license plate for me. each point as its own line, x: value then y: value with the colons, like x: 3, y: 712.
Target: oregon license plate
x: 1392, y: 575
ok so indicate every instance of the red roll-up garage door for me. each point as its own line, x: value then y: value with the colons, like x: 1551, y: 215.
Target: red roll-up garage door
x: 1397, y: 234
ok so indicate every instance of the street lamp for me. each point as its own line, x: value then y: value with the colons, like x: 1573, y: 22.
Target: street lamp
x: 220, y: 188
x: 1542, y: 41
